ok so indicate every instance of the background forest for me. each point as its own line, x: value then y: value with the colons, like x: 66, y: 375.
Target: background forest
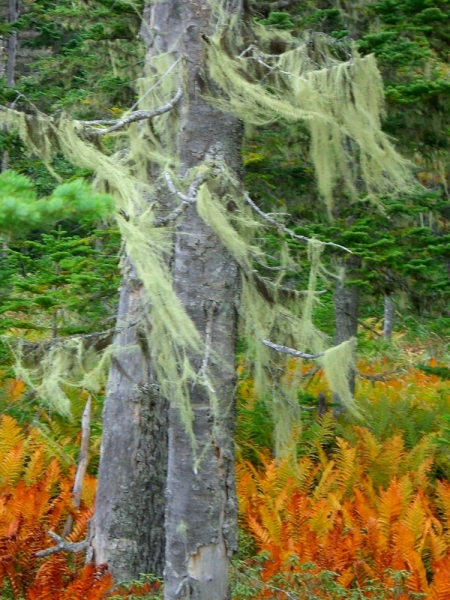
x: 363, y: 509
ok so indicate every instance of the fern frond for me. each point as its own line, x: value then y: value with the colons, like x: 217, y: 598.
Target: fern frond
x: 89, y: 490
x: 80, y: 528
x: 10, y: 434
x: 35, y: 467
x: 94, y: 583
x: 271, y: 521
x: 425, y: 449
x: 390, y: 509
x: 345, y: 457
x: 390, y: 462
x: 320, y: 521
x: 440, y: 588
x: 414, y: 520
x: 305, y: 474
x: 367, y: 446
x: 262, y: 536
x: 12, y: 464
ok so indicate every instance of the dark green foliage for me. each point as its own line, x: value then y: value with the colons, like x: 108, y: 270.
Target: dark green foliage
x: 86, y: 56
x: 61, y: 283
x: 254, y: 431
x: 443, y: 372
x: 279, y: 20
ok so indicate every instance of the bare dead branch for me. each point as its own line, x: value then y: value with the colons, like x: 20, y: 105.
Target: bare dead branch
x: 190, y: 198
x: 83, y: 460
x: 364, y: 326
x: 138, y: 115
x: 390, y: 376
x: 63, y: 546
x: 275, y: 223
x: 169, y: 70
x: 265, y: 8
x: 291, y: 351
x: 284, y: 289
x: 291, y: 269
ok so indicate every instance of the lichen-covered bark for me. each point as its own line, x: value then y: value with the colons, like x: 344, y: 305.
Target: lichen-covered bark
x: 128, y: 525
x: 200, y: 517
x: 201, y: 503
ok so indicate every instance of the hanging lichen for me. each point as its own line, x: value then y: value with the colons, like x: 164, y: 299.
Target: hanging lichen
x: 340, y: 102
x: 51, y: 368
x: 337, y: 363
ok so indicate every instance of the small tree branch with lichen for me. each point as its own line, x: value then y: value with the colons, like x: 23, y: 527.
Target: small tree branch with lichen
x: 291, y: 351
x: 138, y: 115
x: 63, y: 546
x: 275, y: 223
x: 190, y: 198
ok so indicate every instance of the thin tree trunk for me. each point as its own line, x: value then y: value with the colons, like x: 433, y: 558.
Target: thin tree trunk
x: 346, y: 309
x: 389, y: 316
x: 2, y: 59
x: 127, y: 531
x: 14, y: 12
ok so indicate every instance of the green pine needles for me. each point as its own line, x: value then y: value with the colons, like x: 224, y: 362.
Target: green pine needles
x: 21, y: 210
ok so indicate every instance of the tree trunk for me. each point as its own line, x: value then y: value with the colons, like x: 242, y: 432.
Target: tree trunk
x: 14, y: 11
x: 201, y: 506
x: 389, y: 315
x: 128, y: 525
x: 346, y: 308
x: 10, y: 69
x: 201, y: 511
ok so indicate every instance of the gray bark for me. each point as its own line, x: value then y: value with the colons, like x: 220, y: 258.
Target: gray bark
x: 14, y: 12
x: 2, y: 59
x: 128, y: 526
x: 346, y: 309
x: 389, y: 315
x: 201, y: 505
x: 201, y: 509
x: 11, y: 55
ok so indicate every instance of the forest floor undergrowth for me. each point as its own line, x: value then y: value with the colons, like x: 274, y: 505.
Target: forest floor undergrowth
x: 359, y: 509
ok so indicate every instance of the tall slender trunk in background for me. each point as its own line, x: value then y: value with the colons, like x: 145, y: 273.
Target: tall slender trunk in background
x: 2, y: 56
x: 200, y: 512
x: 14, y: 12
x: 346, y: 311
x: 10, y: 68
x: 389, y: 316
